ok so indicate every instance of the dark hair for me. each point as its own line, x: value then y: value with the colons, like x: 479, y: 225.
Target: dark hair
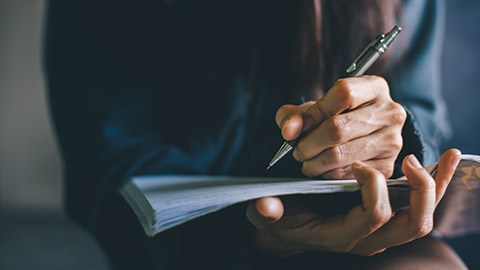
x: 332, y: 32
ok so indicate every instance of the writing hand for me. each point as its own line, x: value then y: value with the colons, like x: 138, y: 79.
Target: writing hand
x: 356, y: 120
x: 368, y: 228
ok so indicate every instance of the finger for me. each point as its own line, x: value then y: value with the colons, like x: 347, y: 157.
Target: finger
x: 415, y: 223
x: 290, y: 120
x: 375, y: 209
x: 340, y: 233
x: 422, y: 195
x: 446, y: 168
x: 277, y: 233
x: 385, y: 166
x: 337, y: 233
x: 265, y: 211
x: 379, y: 145
x: 349, y: 94
x: 346, y: 127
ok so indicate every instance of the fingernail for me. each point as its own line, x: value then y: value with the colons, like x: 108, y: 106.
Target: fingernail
x: 455, y: 162
x: 358, y: 169
x: 284, y: 129
x: 286, y: 123
x: 414, y: 161
x: 307, y: 123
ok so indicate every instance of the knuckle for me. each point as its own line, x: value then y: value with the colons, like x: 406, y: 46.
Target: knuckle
x: 394, y: 141
x: 387, y: 169
x: 381, y: 214
x: 397, y: 142
x: 381, y: 83
x: 342, y: 84
x: 334, y: 155
x: 344, y: 91
x: 337, y: 129
x: 399, y: 114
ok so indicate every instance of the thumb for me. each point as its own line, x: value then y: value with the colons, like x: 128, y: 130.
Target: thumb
x: 290, y: 119
x: 265, y: 211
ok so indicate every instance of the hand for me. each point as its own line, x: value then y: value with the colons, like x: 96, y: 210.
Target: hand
x: 368, y: 228
x: 369, y: 131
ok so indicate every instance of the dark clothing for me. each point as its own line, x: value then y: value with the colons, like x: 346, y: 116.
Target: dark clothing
x: 192, y: 87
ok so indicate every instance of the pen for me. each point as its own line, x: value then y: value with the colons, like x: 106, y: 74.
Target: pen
x: 363, y: 62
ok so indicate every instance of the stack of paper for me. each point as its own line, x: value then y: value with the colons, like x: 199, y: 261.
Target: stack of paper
x: 162, y: 202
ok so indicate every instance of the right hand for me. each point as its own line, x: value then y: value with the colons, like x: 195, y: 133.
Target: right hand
x: 355, y: 120
x: 368, y: 228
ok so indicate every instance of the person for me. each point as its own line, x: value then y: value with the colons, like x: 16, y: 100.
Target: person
x: 193, y: 87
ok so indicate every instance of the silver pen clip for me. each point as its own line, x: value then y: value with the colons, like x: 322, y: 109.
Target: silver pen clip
x: 372, y: 44
x: 366, y: 58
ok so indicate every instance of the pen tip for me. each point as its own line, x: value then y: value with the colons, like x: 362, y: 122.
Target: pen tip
x: 268, y: 168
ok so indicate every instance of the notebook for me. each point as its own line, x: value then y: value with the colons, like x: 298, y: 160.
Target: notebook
x: 165, y: 201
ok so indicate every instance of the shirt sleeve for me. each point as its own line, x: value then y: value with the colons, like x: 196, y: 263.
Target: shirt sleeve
x: 415, y: 80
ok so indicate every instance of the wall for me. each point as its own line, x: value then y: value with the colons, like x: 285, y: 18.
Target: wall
x: 30, y: 174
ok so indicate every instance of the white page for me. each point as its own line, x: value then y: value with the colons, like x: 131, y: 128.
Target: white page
x: 162, y: 202
x: 179, y: 198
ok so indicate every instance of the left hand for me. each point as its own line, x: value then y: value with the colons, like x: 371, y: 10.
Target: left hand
x: 285, y: 229
x: 356, y: 120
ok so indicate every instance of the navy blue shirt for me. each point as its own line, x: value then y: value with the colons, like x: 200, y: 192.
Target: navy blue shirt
x: 177, y: 87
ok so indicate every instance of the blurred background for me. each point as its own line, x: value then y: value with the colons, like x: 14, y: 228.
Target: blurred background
x: 35, y: 234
